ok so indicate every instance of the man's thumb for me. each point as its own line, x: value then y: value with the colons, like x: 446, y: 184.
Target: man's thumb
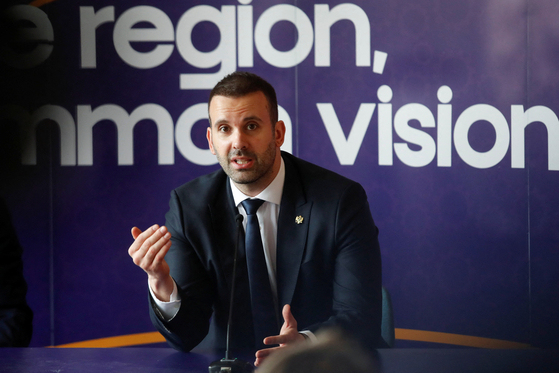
x: 136, y: 232
x: 288, y: 316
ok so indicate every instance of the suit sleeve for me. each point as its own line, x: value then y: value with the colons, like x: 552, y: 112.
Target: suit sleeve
x: 357, y: 276
x: 191, y: 324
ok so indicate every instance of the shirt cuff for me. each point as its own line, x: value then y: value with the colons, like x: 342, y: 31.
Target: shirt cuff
x: 168, y: 309
x: 309, y: 336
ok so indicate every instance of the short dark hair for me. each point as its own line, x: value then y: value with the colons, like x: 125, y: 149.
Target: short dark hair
x: 241, y: 83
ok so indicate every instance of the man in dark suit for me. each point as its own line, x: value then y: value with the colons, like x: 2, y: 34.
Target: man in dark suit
x: 320, y: 242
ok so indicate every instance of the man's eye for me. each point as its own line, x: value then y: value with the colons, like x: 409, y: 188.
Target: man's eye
x: 251, y: 126
x: 223, y: 129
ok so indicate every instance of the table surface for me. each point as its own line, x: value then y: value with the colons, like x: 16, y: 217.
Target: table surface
x: 139, y: 360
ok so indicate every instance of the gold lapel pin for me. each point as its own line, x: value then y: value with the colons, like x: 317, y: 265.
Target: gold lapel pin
x: 299, y: 219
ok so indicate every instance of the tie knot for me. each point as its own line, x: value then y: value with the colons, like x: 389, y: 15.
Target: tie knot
x: 252, y: 205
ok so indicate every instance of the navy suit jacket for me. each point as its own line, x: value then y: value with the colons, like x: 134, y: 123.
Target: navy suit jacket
x: 328, y: 266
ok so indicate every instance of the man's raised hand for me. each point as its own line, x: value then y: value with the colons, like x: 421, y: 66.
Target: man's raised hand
x: 148, y: 252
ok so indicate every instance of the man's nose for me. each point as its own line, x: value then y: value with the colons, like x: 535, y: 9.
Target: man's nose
x: 239, y: 140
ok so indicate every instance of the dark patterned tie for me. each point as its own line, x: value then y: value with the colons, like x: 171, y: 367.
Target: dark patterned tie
x: 263, y: 310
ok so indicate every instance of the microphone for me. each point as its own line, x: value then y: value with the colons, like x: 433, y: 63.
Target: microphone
x: 228, y: 364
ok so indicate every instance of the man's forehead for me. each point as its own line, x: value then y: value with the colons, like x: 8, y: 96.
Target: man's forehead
x: 248, y: 106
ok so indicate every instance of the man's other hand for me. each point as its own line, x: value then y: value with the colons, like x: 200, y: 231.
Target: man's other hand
x: 289, y: 335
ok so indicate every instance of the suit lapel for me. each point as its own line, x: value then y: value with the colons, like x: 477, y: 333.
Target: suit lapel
x: 293, y: 226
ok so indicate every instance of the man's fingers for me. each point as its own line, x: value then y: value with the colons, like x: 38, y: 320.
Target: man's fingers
x: 275, y: 340
x: 150, y: 247
x: 158, y: 237
x: 160, y: 256
x: 141, y: 237
x: 258, y: 362
x: 261, y: 354
x: 151, y: 237
x: 153, y: 245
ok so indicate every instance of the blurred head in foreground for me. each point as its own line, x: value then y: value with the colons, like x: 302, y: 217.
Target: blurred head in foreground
x: 333, y: 353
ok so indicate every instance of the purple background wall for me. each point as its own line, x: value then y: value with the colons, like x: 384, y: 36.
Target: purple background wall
x: 466, y: 249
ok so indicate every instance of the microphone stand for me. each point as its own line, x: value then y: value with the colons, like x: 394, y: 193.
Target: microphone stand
x: 228, y: 364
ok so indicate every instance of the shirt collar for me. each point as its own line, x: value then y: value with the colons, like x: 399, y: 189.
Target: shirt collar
x: 272, y: 193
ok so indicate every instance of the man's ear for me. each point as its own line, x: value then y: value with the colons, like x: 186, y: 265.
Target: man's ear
x: 279, y: 133
x: 210, y: 142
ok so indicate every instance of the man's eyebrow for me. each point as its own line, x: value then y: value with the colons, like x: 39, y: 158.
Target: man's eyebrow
x: 246, y: 119
x: 218, y: 122
x: 253, y: 117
